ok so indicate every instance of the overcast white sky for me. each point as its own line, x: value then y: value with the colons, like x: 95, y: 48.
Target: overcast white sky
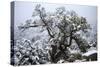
x: 24, y: 10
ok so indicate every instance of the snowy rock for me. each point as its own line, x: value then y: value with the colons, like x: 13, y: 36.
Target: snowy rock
x: 89, y: 53
x: 61, y: 61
